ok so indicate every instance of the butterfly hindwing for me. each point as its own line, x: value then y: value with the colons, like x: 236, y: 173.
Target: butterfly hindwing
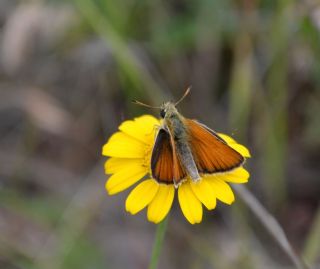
x: 211, y: 153
x: 165, y: 165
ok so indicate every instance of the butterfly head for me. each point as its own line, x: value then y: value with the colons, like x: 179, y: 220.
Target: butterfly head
x: 167, y: 110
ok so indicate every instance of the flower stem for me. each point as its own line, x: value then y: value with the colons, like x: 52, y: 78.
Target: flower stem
x: 160, y: 233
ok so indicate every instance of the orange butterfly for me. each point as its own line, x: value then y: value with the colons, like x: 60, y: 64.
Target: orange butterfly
x: 185, y: 147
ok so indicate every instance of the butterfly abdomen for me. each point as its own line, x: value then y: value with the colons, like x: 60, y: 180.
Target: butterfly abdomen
x: 186, y: 158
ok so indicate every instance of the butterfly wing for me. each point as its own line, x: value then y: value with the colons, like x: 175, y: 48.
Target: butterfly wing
x: 211, y: 153
x: 165, y: 165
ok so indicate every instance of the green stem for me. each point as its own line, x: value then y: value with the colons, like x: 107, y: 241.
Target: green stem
x: 158, y: 242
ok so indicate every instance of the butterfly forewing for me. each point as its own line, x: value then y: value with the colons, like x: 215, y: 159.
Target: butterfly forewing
x: 165, y: 165
x: 211, y: 153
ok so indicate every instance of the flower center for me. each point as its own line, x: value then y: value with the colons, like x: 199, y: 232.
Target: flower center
x: 147, y: 157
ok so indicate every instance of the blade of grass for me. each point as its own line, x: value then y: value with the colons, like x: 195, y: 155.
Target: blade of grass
x: 276, y: 88
x: 312, y: 246
x: 130, y: 64
x: 271, y: 225
x: 241, y: 85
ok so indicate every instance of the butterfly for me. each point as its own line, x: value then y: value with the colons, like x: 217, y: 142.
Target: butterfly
x: 185, y: 148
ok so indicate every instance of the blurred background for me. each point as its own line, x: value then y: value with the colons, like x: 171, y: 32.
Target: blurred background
x: 68, y: 73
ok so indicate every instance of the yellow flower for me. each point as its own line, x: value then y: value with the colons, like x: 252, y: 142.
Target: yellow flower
x: 130, y: 151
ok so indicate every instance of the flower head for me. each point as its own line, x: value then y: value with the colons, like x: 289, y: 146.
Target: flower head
x: 130, y: 156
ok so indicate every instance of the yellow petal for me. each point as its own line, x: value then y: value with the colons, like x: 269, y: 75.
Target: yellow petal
x: 227, y: 138
x: 241, y: 149
x: 161, y: 203
x: 237, y: 147
x: 125, y: 178
x: 238, y: 175
x: 190, y: 205
x: 222, y: 189
x: 114, y: 165
x: 205, y: 193
x: 122, y: 145
x: 141, y: 196
x: 142, y: 128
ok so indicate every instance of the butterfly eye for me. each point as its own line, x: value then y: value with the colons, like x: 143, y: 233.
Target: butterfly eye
x: 162, y: 113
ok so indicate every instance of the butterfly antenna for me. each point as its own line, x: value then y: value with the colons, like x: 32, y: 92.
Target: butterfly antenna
x: 143, y: 104
x: 183, y: 96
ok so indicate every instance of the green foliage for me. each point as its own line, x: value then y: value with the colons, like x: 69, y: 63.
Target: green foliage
x: 255, y: 70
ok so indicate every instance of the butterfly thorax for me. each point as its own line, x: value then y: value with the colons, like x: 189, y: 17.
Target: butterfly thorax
x: 173, y: 121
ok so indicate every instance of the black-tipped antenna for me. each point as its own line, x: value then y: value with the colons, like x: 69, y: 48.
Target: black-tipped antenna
x: 183, y: 96
x: 143, y: 104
